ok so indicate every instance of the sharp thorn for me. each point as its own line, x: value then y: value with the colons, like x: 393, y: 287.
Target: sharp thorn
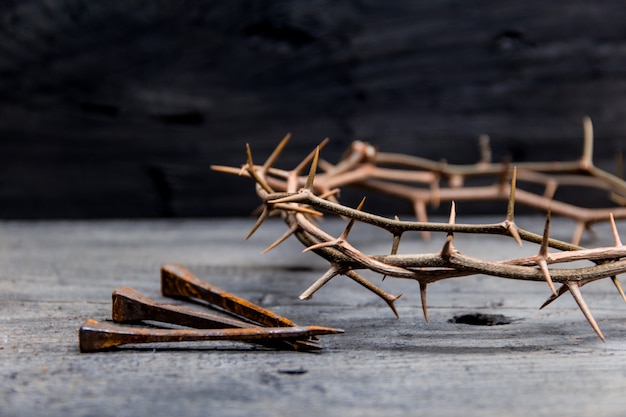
x: 311, y: 178
x: 281, y: 239
x: 574, y: 289
x: 423, y: 298
x: 294, y: 198
x: 346, y: 231
x: 448, y: 246
x: 389, y: 298
x: 299, y: 209
x: 329, y: 193
x: 452, y: 218
x: 587, y: 156
x: 264, y: 215
x: 277, y: 151
x: 252, y: 171
x: 618, y: 241
x: 618, y: 285
x: 396, y: 243
x: 578, y: 232
x: 541, y: 261
x: 562, y: 290
x: 320, y: 245
x: 323, y: 280
x: 545, y: 240
x: 310, y: 156
x: 510, y: 211
x: 513, y: 232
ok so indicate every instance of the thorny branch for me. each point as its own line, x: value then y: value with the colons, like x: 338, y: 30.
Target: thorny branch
x: 299, y: 199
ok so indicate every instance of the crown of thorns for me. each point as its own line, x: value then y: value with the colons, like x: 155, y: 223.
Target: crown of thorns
x: 300, y: 199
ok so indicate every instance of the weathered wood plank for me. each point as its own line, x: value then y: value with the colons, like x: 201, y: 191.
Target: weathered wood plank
x: 57, y: 274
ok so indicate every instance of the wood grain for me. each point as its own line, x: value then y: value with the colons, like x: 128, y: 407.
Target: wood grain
x: 57, y: 274
x: 117, y: 109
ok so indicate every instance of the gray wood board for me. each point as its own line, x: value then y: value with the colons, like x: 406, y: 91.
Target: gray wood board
x: 57, y: 274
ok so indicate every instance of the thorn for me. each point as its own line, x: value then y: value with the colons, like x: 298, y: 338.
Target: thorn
x: 395, y: 245
x: 293, y: 198
x: 510, y: 210
x: 616, y: 238
x: 346, y: 231
x: 575, y: 290
x: 277, y: 151
x: 452, y: 218
x: 264, y: 215
x: 330, y: 193
x: 281, y: 239
x: 512, y: 227
x: 299, y: 209
x: 446, y: 251
x: 579, y: 229
x: 618, y: 243
x: 342, y: 238
x: 420, y: 212
x: 543, y: 254
x: 323, y: 280
x: 551, y: 187
x: 546, y: 274
x: 310, y: 156
x: 252, y: 171
x: 325, y: 244
x: 435, y: 193
x: 562, y: 290
x: 389, y: 298
x: 229, y: 170
x: 311, y: 178
x: 618, y: 285
x: 423, y: 298
x: 504, y: 175
x: 586, y: 160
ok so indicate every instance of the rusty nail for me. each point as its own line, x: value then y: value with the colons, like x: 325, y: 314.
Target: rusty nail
x: 95, y: 336
x: 130, y: 306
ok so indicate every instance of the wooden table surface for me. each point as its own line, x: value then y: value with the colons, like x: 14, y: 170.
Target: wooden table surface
x: 55, y: 275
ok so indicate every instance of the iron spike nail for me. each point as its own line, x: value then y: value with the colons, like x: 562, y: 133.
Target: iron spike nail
x: 177, y: 281
x: 130, y: 306
x: 95, y: 336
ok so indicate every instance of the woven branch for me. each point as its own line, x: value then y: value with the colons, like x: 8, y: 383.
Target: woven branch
x: 299, y: 199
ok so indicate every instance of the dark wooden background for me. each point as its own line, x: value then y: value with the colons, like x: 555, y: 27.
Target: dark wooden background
x: 118, y: 108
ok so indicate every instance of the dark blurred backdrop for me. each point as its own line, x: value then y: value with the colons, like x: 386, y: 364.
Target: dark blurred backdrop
x: 118, y: 108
